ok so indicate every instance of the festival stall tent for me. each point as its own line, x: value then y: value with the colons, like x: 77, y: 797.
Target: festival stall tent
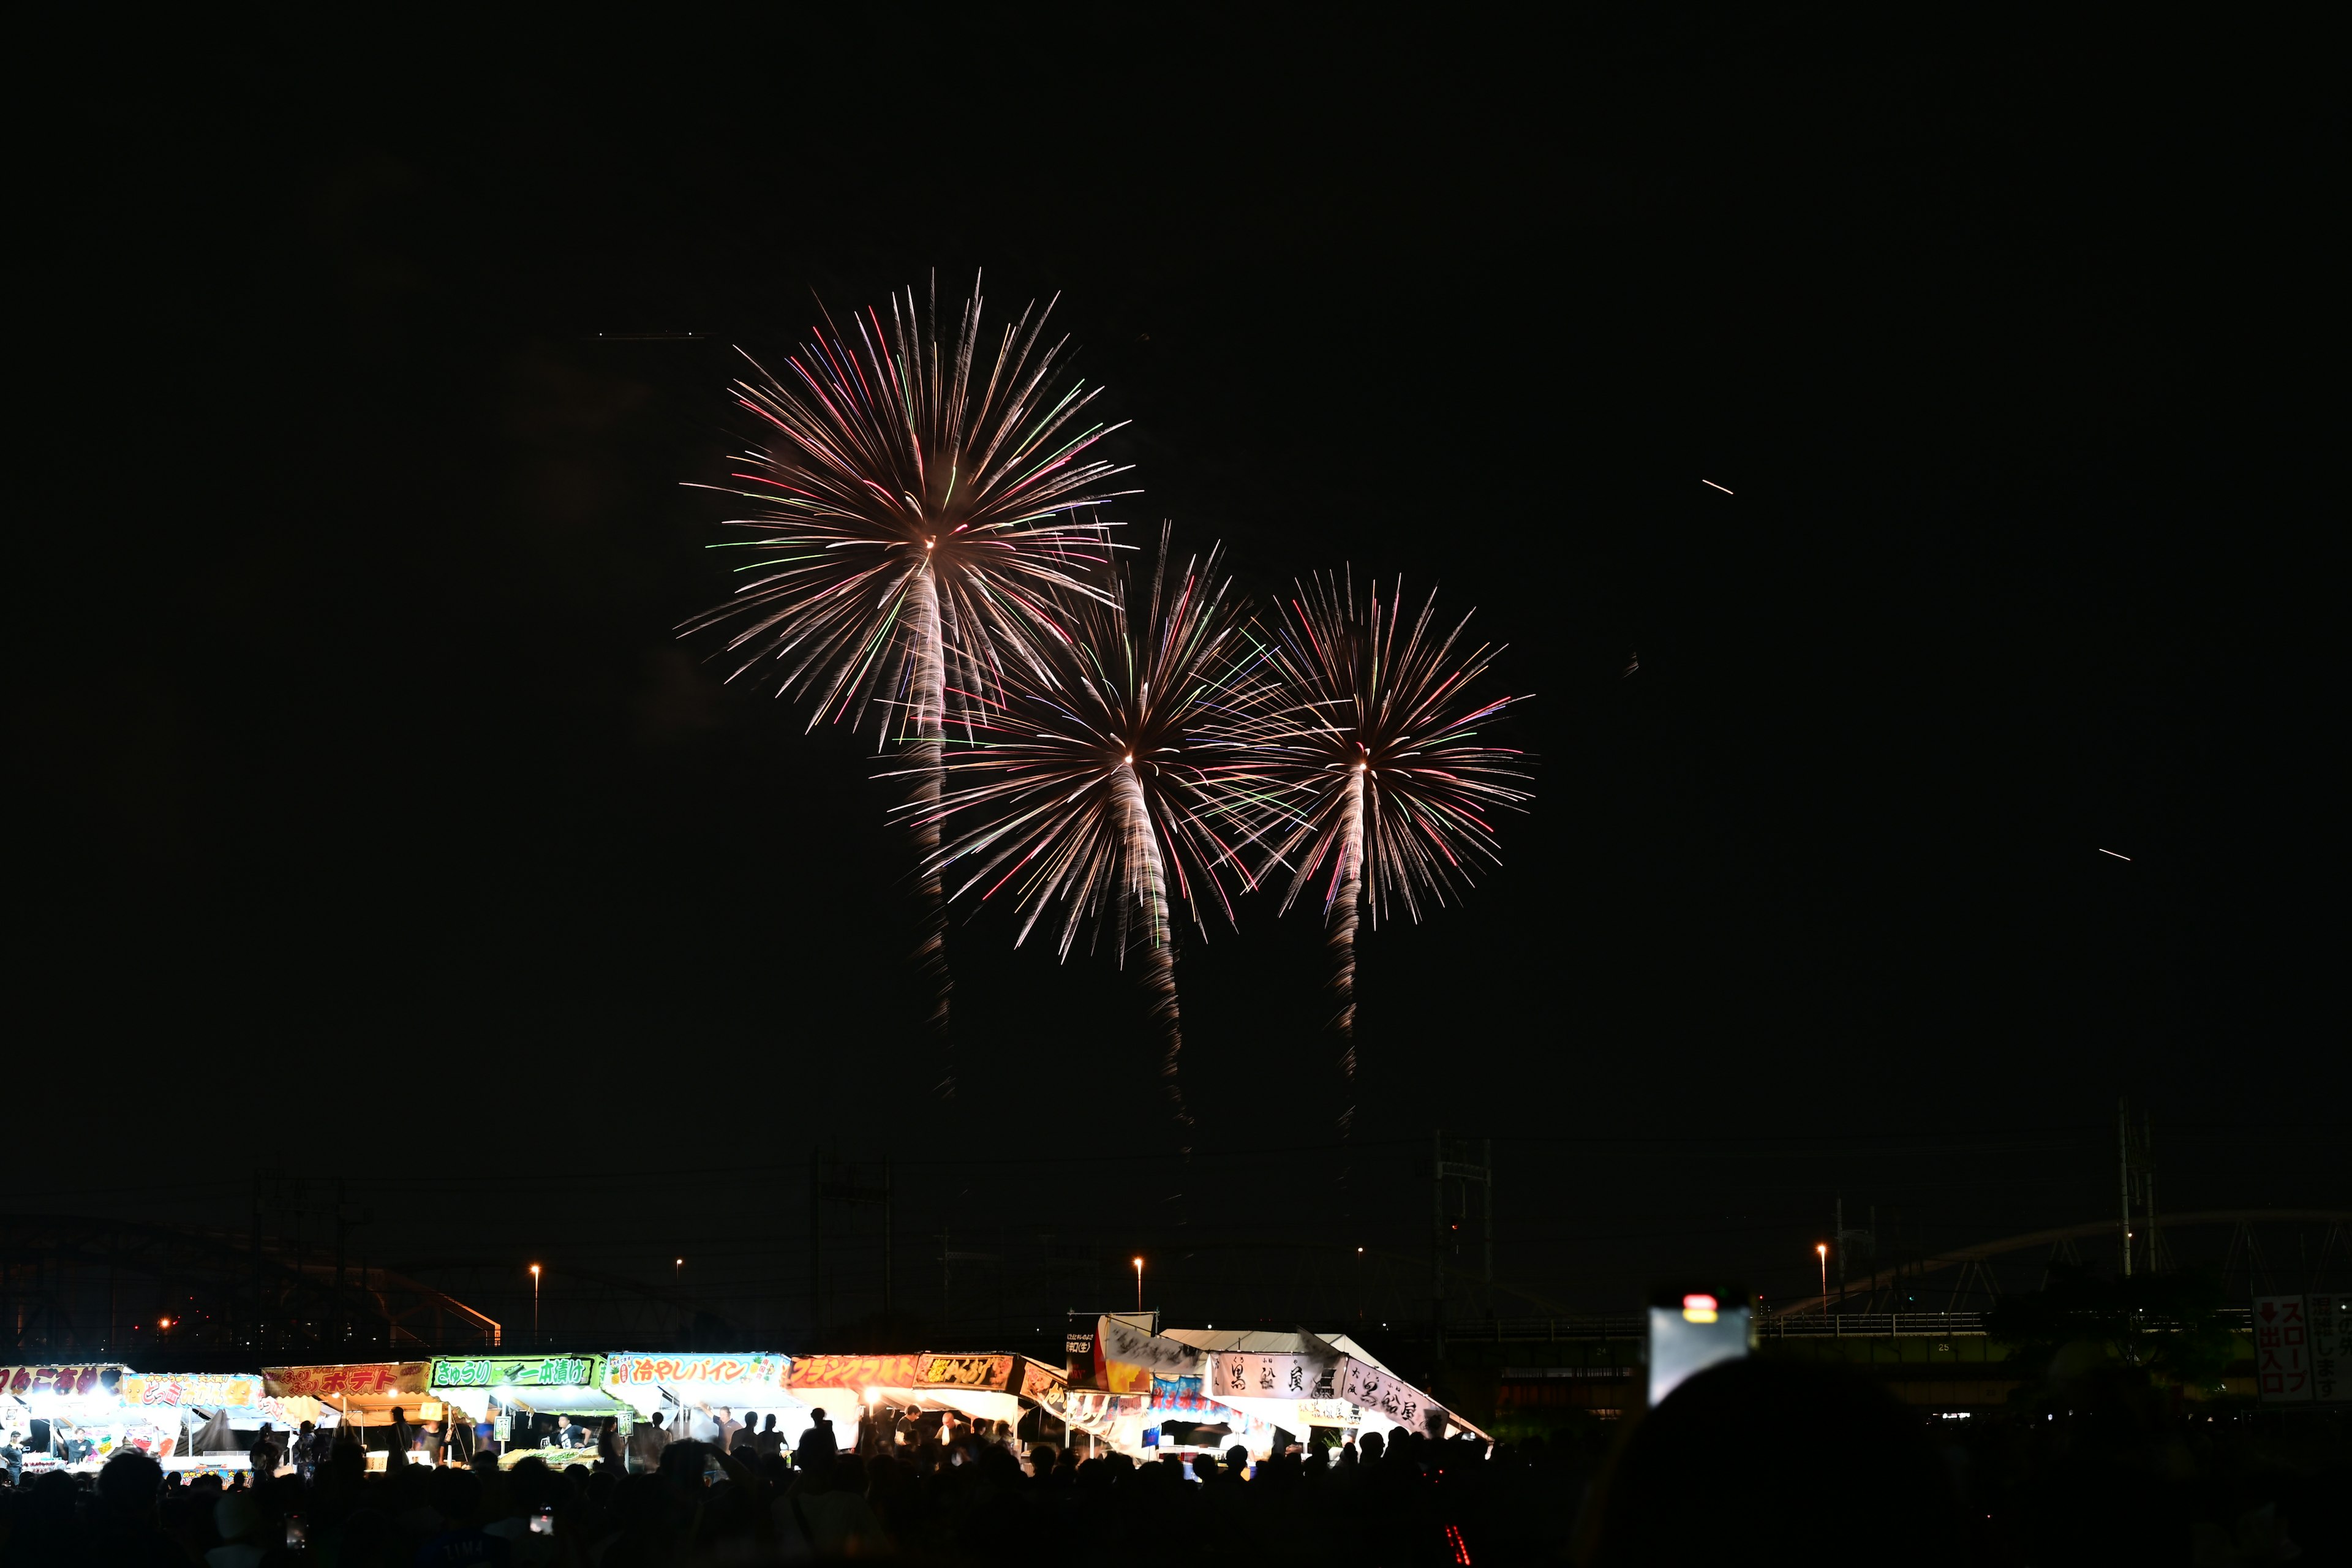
x: 189, y: 1421
x: 983, y: 1386
x: 1261, y: 1388
x: 214, y: 1415
x: 64, y: 1400
x: 361, y: 1394
x: 503, y: 1389
x: 657, y: 1386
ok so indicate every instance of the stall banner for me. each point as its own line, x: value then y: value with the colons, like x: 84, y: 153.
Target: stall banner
x: 242, y: 1390
x: 1132, y: 1358
x: 993, y: 1373
x: 855, y: 1371
x: 1330, y: 1412
x: 745, y: 1372
x: 517, y: 1371
x: 374, y: 1377
x: 2331, y: 1347
x: 1086, y: 1409
x: 1181, y: 1393
x: 66, y: 1382
x: 1040, y: 1382
x: 1279, y: 1376
x: 1375, y: 1389
x: 2282, y: 1350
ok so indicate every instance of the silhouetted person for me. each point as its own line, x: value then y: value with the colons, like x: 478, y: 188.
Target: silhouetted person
x: 396, y: 1456
x: 817, y: 1444
x: 1743, y: 1460
x: 265, y: 1454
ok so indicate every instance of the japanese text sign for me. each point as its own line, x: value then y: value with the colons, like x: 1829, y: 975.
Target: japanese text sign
x: 1275, y: 1376
x: 2282, y: 1350
x: 856, y: 1371
x: 745, y: 1372
x: 516, y: 1372
x: 363, y: 1378
x: 2331, y: 1345
x: 994, y: 1372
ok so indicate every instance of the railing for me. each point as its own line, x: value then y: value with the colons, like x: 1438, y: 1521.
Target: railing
x: 1783, y: 1325
x: 1635, y: 1326
x: 1870, y: 1325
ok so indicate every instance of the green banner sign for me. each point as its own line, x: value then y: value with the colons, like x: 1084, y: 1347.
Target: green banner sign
x: 517, y: 1371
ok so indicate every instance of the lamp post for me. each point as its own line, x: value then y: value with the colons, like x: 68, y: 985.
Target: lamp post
x: 1822, y: 1247
x: 678, y: 1272
x: 1359, y: 1284
x: 1139, y: 1284
x: 534, y: 1306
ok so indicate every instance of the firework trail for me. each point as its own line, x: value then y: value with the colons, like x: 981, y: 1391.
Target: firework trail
x: 1093, y: 787
x: 919, y: 520
x: 1366, y: 741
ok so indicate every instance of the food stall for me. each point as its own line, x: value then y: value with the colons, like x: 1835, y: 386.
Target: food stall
x: 360, y: 1394
x: 63, y: 1409
x: 982, y: 1386
x: 230, y: 1405
x: 1208, y: 1388
x: 749, y: 1383
x: 511, y: 1392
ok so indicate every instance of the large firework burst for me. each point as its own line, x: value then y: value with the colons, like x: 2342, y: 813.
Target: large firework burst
x: 1368, y: 742
x: 918, y: 519
x: 1094, y: 786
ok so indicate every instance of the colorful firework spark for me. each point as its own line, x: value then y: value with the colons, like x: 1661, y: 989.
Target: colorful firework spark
x: 913, y: 531
x: 1092, y: 783
x: 1366, y: 741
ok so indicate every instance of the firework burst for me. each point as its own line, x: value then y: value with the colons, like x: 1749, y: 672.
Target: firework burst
x: 1365, y: 741
x: 919, y: 520
x: 1095, y: 787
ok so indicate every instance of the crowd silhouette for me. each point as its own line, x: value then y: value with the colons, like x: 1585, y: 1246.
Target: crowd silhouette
x: 1751, y: 1461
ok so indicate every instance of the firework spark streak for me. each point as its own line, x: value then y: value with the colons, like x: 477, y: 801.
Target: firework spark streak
x: 1365, y: 747
x: 1093, y: 784
x: 918, y: 520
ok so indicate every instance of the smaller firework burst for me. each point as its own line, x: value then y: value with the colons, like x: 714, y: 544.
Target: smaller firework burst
x: 1096, y: 784
x: 1367, y: 743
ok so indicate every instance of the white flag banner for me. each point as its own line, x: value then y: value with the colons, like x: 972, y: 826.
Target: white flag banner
x: 1281, y: 1374
x: 1375, y: 1389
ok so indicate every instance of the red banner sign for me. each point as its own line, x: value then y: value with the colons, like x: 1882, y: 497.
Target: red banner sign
x: 373, y: 1377
x: 856, y: 1371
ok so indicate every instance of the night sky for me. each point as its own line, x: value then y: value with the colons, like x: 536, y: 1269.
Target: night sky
x: 376, y: 827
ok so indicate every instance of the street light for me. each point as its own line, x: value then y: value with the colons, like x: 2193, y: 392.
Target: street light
x: 534, y: 1305
x: 1822, y: 1247
x: 1139, y: 1284
x: 678, y: 1272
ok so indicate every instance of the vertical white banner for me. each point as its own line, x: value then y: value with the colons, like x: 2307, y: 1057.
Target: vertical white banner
x: 2331, y: 1329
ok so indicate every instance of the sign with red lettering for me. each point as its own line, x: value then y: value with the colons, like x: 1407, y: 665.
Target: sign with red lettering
x: 65, y: 1382
x: 2282, y: 1350
x: 363, y: 1378
x: 856, y: 1371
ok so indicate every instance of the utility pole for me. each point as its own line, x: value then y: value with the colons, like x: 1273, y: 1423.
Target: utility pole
x: 2122, y: 1167
x: 844, y: 1191
x: 816, y: 1221
x: 1463, y: 1171
x: 1837, y: 1234
x: 1487, y: 1219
